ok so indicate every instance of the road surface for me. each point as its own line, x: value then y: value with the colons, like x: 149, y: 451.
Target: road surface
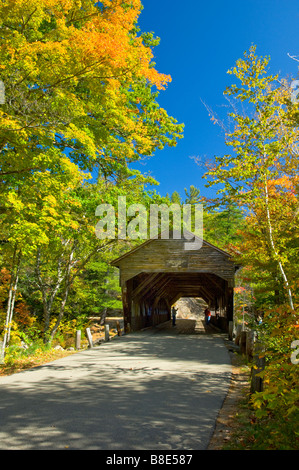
x: 150, y: 390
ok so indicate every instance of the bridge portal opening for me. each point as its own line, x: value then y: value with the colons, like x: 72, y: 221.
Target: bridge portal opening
x: 159, y: 272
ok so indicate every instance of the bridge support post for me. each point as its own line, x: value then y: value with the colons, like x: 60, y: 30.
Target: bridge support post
x: 230, y: 329
x: 230, y: 305
x: 126, y: 300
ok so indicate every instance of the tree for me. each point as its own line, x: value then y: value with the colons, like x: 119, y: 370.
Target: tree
x: 80, y: 95
x: 222, y: 225
x: 193, y: 196
x: 78, y: 77
x: 260, y: 176
x: 41, y: 214
x: 176, y: 198
x: 265, y: 148
x: 253, y: 245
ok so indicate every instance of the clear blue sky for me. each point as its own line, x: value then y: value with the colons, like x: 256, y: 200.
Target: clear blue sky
x: 200, y: 41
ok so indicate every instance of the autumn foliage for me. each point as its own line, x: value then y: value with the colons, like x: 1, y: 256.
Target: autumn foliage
x: 78, y: 76
x: 260, y: 175
x: 80, y: 105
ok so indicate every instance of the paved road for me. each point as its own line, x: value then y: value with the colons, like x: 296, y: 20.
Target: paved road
x: 151, y: 390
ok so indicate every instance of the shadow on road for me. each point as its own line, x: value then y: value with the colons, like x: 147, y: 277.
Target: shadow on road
x: 151, y: 390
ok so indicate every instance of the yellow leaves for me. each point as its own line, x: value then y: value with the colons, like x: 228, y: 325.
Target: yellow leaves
x: 78, y: 134
x: 7, y: 122
x: 14, y: 201
x: 50, y: 200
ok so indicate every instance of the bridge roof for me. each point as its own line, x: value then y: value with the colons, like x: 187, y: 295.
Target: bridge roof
x: 176, y: 255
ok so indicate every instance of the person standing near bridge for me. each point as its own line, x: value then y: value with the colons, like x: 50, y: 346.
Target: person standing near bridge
x: 207, y: 315
x: 173, y: 312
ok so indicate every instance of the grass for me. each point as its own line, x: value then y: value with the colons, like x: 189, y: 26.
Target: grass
x: 37, y: 358
x: 18, y: 359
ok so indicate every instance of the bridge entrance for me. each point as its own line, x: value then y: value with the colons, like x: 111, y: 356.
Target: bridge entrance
x: 154, y: 275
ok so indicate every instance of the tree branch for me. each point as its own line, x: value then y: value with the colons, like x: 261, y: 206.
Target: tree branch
x: 293, y: 57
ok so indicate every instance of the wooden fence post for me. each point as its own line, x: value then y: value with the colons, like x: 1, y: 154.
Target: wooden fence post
x: 242, y: 342
x: 250, y: 340
x: 78, y: 339
x: 238, y: 334
x: 89, y: 337
x: 259, y: 366
x: 107, y: 338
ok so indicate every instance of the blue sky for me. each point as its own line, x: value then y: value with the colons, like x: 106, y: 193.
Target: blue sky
x: 200, y: 41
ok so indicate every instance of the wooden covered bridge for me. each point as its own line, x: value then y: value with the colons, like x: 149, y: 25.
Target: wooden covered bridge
x: 154, y: 275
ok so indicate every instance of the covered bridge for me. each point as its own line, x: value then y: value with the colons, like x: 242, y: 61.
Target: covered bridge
x: 154, y: 275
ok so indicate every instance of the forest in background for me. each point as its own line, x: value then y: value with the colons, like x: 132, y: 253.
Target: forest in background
x: 81, y: 104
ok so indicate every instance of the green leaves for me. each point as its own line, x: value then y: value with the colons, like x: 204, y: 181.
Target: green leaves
x: 262, y: 143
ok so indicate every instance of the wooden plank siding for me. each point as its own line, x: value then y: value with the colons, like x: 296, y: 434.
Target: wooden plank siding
x: 160, y: 271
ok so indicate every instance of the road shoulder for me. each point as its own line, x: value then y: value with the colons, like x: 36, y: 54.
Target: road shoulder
x: 226, y: 423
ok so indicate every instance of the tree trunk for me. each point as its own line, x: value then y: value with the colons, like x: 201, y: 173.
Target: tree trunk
x: 48, y: 303
x: 104, y: 314
x: 11, y: 301
x: 65, y: 296
x: 272, y: 244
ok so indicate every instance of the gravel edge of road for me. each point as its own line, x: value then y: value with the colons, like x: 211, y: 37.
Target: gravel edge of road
x: 239, y: 388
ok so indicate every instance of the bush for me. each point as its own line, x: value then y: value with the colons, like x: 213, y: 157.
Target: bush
x: 16, y: 353
x: 276, y: 408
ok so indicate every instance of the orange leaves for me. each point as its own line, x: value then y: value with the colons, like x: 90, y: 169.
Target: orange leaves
x: 116, y: 13
x: 79, y: 37
x: 77, y: 68
x: 5, y: 278
x: 285, y: 183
